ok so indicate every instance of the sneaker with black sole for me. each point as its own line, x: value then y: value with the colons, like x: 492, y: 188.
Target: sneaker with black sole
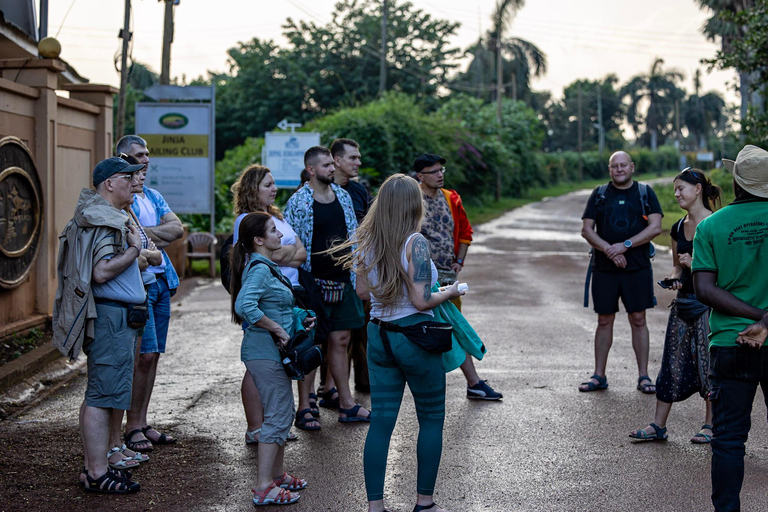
x: 482, y: 391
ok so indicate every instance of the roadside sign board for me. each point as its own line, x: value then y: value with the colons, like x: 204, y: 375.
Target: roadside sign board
x: 705, y: 156
x: 284, y: 152
x: 180, y: 140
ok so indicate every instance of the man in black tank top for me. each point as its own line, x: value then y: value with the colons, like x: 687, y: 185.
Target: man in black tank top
x: 322, y: 214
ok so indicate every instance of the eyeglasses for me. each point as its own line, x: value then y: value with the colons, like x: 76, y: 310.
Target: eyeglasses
x: 131, y: 177
x: 442, y: 170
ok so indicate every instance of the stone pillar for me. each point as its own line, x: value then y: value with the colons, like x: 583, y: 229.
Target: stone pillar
x: 101, y: 96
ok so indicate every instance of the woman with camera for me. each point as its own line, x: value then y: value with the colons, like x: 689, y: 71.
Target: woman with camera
x: 255, y: 191
x: 685, y: 363
x: 394, y: 270
x: 262, y: 296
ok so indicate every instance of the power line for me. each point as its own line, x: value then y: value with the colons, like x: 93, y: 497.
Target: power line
x: 65, y: 17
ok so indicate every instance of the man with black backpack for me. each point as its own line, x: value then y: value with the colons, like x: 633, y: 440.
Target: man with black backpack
x: 619, y: 221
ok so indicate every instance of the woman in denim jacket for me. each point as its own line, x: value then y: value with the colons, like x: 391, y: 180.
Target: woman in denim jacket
x: 262, y: 296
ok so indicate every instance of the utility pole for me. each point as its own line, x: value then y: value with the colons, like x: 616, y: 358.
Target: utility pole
x: 165, y: 72
x: 498, y: 108
x: 383, y: 61
x: 125, y: 34
x: 581, y: 164
x: 677, y: 124
x: 600, y: 128
x: 43, y: 30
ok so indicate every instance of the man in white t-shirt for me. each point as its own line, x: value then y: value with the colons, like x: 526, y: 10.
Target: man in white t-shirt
x: 163, y: 227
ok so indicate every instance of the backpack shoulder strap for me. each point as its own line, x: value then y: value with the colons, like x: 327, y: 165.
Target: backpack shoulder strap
x: 274, y: 273
x: 600, y: 198
x: 643, y: 188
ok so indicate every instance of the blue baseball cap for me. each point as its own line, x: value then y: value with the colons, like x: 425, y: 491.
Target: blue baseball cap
x: 111, y: 166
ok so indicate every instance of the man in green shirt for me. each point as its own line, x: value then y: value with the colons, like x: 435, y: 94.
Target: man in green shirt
x: 730, y: 255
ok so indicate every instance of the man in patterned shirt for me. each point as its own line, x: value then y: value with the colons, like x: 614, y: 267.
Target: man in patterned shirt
x: 449, y: 234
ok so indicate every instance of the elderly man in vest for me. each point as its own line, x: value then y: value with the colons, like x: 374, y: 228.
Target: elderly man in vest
x: 99, y: 271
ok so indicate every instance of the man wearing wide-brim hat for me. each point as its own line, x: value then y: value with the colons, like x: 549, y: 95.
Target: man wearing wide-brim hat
x: 730, y: 257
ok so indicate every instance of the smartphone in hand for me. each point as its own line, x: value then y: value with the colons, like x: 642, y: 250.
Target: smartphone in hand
x: 667, y: 283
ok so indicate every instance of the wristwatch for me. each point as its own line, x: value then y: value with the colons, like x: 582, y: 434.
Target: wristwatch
x: 627, y: 243
x: 460, y: 261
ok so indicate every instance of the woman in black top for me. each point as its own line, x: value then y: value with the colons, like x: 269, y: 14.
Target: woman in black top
x: 685, y: 364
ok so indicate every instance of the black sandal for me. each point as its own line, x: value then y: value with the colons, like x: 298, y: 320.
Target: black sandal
x: 163, y: 439
x: 301, y: 421
x: 420, y: 508
x: 327, y: 400
x: 313, y: 408
x: 133, y: 445
x: 110, y: 483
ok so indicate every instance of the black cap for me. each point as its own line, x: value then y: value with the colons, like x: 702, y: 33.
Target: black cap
x: 113, y: 165
x: 426, y: 160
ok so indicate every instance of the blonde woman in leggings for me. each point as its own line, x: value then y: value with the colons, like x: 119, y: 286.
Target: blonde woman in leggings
x: 395, y: 271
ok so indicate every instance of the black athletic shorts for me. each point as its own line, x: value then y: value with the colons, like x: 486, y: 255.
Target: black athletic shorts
x: 635, y: 288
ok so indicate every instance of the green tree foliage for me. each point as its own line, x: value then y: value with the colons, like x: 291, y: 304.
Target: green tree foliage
x: 331, y: 66
x: 561, y: 116
x: 703, y: 114
x: 747, y: 52
x: 659, y: 91
x: 520, y: 59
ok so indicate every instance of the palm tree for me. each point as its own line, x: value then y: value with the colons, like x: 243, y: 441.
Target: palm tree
x: 520, y: 59
x: 702, y: 114
x: 715, y: 27
x: 658, y: 89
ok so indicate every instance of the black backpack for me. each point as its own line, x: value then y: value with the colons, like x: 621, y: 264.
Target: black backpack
x: 600, y: 199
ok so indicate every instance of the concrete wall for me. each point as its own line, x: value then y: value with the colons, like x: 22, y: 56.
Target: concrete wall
x: 67, y: 137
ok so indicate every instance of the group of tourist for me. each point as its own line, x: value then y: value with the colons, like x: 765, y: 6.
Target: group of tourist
x: 323, y: 252
x: 714, y: 343
x: 375, y: 281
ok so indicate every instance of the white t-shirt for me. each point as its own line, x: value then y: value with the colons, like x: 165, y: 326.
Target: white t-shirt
x: 289, y: 238
x: 148, y: 217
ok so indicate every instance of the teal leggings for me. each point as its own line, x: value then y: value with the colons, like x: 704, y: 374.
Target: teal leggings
x: 425, y: 374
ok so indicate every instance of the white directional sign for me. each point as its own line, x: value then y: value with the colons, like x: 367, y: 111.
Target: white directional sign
x: 180, y: 141
x: 284, y: 155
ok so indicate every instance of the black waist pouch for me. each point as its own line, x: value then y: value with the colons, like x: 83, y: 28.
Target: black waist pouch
x: 137, y: 315
x: 431, y: 336
x: 689, y: 309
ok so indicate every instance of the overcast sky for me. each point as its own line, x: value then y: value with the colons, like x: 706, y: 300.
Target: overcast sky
x: 582, y: 39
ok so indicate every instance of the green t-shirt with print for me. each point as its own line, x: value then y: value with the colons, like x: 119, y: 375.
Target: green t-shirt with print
x: 732, y: 242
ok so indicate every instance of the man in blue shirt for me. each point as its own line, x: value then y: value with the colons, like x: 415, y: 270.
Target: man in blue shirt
x: 163, y: 227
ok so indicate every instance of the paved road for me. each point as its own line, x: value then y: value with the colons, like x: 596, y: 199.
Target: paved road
x: 547, y: 447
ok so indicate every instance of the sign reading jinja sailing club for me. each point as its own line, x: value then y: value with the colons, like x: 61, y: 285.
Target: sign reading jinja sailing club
x: 179, y: 137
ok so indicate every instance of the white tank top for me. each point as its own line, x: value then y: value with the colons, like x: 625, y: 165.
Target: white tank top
x: 404, y: 307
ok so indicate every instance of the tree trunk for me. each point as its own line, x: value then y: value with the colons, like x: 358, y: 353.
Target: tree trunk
x: 654, y: 138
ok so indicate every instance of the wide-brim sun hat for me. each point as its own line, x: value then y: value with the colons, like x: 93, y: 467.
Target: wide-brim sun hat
x: 750, y: 170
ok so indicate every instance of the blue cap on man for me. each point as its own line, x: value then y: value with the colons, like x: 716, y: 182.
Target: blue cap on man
x: 111, y: 166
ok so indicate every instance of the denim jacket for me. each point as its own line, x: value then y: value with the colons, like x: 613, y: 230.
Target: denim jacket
x: 300, y: 215
x: 262, y: 294
x: 161, y: 208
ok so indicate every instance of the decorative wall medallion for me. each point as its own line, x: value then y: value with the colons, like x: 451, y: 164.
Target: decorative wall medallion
x: 21, y: 212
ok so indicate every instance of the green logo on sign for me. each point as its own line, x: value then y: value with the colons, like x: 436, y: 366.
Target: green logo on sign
x: 174, y: 121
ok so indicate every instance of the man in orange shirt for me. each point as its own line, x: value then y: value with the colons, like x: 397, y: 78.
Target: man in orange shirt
x: 449, y: 234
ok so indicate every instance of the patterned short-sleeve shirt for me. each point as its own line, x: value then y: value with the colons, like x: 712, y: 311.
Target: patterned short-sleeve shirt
x: 437, y: 228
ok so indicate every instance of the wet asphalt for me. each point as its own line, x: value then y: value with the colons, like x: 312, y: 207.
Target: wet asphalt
x: 545, y: 447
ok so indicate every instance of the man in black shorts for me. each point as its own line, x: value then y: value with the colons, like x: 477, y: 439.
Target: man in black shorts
x: 619, y: 222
